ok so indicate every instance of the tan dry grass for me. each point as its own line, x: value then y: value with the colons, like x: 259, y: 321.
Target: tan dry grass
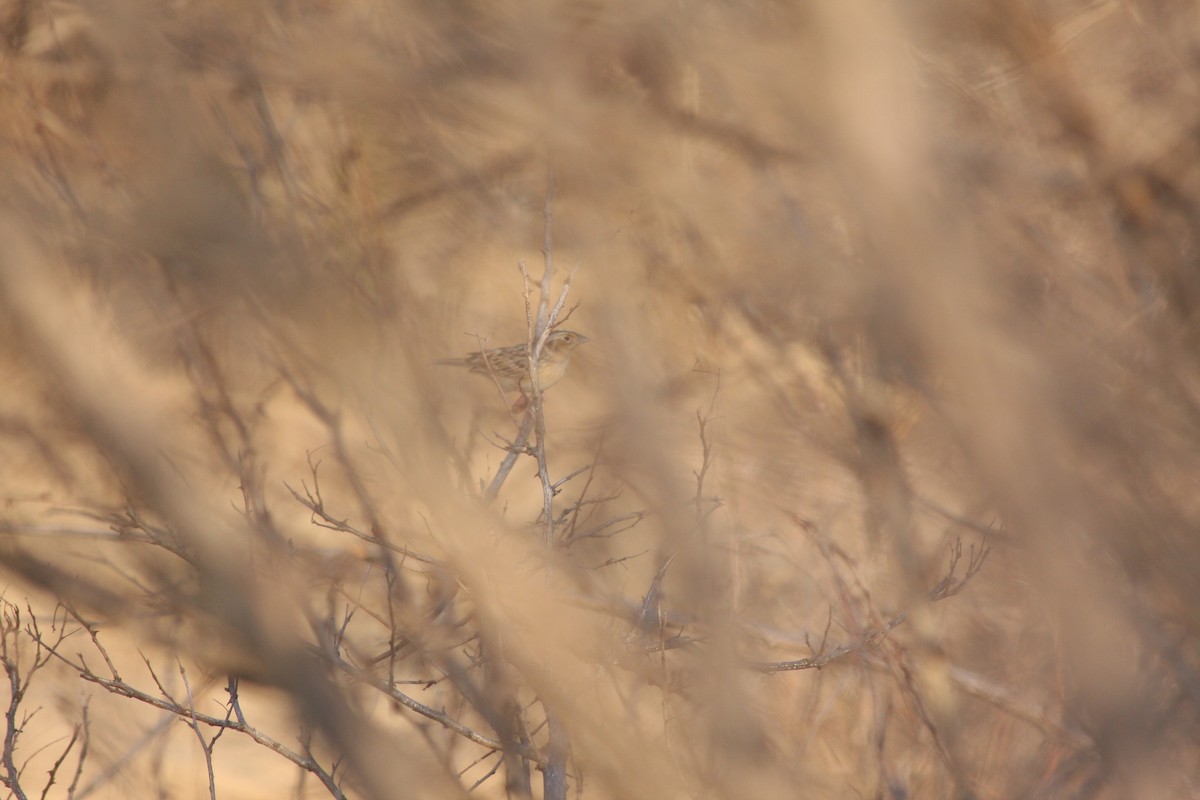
x: 942, y: 256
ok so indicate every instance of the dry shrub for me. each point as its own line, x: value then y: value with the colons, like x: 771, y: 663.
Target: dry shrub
x: 876, y: 478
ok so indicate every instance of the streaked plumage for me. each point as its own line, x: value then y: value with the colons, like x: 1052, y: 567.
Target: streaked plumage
x: 509, y: 366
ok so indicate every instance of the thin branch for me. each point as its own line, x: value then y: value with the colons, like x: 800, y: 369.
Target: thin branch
x: 871, y: 639
x: 85, y: 729
x: 547, y: 254
x: 316, y: 505
x: 495, y: 768
x: 515, y: 451
x: 554, y: 783
x: 706, y: 458
x: 205, y: 747
x: 53, y: 772
x: 123, y: 689
x: 1006, y: 700
x: 575, y: 510
x: 115, y: 767
x: 440, y: 717
x: 9, y: 656
x: 601, y: 530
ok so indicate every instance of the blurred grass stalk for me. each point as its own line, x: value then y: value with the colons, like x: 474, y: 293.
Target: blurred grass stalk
x: 942, y: 258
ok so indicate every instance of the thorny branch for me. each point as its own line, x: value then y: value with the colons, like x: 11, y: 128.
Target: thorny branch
x: 315, y: 503
x: 515, y: 451
x: 948, y: 586
x: 20, y: 677
x: 555, y: 772
x: 205, y: 747
x: 645, y: 614
x: 186, y: 712
x: 539, y: 330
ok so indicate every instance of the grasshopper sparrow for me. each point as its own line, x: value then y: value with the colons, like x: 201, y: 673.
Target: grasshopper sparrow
x: 509, y: 366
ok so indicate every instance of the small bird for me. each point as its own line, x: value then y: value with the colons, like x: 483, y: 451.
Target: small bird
x: 509, y: 366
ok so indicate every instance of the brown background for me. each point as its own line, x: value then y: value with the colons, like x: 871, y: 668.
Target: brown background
x: 941, y: 255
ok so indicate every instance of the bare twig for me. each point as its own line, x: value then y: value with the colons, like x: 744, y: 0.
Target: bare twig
x: 571, y: 519
x: 536, y: 405
x: 205, y: 747
x: 439, y: 717
x: 495, y: 768
x: 602, y: 530
x: 53, y: 773
x: 20, y: 677
x: 949, y: 586
x: 510, y: 458
x: 332, y: 422
x: 304, y: 762
x: 113, y: 769
x: 706, y: 458
x: 544, y: 323
x: 1008, y: 701
x: 84, y: 728
x: 9, y: 657
x: 554, y: 777
x: 312, y: 500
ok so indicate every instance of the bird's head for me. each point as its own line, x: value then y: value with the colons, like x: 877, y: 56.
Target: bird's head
x: 563, y: 342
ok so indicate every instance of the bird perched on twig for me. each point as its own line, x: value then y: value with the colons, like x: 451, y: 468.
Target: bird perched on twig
x: 509, y: 366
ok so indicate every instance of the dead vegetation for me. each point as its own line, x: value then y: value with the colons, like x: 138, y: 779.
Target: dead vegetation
x: 877, y: 477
